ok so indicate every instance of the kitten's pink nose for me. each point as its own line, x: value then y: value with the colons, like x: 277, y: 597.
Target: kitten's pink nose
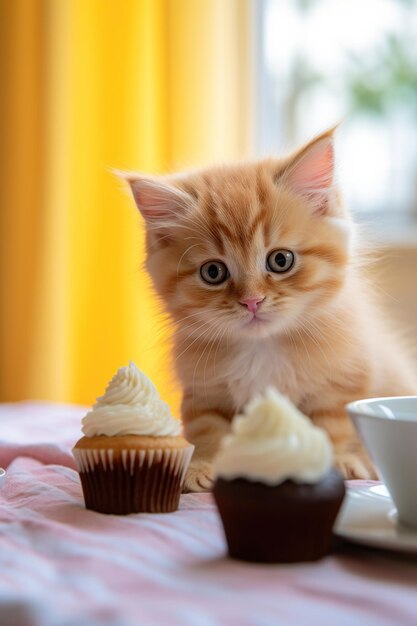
x: 252, y: 303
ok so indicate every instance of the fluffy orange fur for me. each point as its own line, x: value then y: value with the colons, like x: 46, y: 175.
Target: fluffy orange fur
x: 316, y: 334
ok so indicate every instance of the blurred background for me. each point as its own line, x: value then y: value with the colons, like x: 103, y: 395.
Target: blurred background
x: 160, y: 85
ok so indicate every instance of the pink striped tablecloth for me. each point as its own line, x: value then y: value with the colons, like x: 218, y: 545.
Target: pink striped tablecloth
x: 61, y: 565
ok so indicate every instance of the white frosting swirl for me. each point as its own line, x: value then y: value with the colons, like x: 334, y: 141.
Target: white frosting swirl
x: 130, y: 406
x: 272, y: 442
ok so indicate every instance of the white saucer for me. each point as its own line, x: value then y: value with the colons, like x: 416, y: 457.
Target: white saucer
x: 369, y: 517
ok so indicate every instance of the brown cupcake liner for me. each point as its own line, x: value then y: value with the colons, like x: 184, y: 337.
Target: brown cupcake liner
x: 132, y: 481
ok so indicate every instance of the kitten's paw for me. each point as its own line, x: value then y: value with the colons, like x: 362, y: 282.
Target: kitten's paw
x: 199, y: 477
x: 355, y: 466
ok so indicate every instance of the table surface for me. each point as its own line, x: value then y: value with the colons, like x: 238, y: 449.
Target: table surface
x: 62, y: 565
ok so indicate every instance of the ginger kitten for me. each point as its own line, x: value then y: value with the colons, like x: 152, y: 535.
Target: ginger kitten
x: 257, y: 265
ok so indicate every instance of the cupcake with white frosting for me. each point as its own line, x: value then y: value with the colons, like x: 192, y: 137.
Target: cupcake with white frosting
x: 132, y: 458
x: 276, y: 490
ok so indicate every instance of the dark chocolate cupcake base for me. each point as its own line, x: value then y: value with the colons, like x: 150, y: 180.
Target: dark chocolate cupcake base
x: 132, y: 481
x: 148, y: 490
x: 287, y: 523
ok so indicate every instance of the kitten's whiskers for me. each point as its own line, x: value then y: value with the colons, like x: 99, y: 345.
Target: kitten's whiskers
x: 211, y: 323
x: 183, y: 255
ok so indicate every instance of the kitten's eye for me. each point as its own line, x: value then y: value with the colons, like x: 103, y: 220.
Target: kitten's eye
x: 280, y: 261
x: 214, y: 272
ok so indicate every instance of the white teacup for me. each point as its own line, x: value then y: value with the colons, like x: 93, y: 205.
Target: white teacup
x: 388, y: 428
x: 2, y: 476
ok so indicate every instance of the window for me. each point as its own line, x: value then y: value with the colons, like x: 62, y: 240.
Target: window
x: 325, y: 61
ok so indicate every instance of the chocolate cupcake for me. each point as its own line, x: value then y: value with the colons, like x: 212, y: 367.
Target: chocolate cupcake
x: 276, y: 491
x: 132, y: 458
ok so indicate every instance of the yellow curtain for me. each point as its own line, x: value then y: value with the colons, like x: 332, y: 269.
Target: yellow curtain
x: 87, y: 85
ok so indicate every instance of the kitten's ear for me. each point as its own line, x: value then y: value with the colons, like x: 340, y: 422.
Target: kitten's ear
x: 160, y: 203
x: 311, y: 172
